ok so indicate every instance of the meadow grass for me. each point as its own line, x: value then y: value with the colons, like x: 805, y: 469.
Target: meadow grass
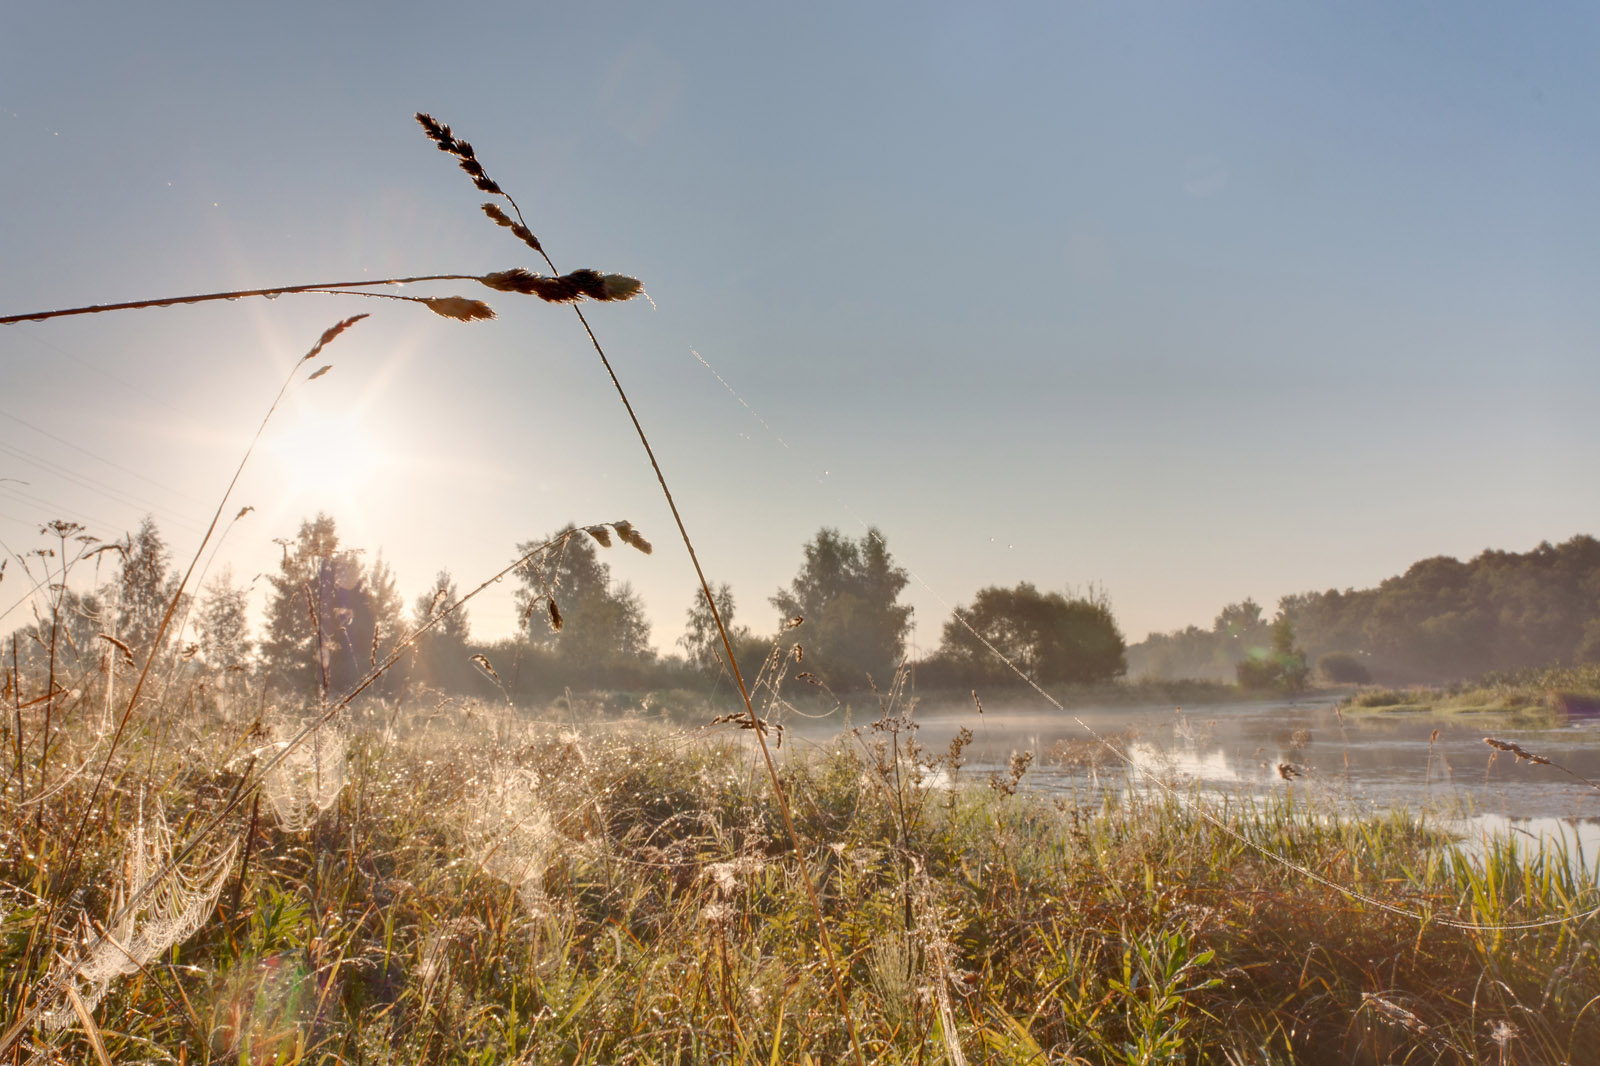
x: 484, y: 887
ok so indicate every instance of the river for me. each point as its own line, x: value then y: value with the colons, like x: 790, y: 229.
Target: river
x: 1361, y: 762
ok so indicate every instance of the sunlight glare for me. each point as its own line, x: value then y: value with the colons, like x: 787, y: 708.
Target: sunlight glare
x: 325, y: 455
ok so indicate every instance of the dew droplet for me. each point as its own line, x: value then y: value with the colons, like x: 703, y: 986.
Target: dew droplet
x: 272, y: 295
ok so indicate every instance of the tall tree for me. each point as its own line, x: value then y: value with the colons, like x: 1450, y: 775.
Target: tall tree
x: 847, y: 592
x: 702, y: 644
x: 441, y: 596
x: 387, y: 609
x: 327, y: 617
x: 441, y: 655
x: 1241, y: 623
x: 601, y: 621
x: 144, y: 588
x: 224, y: 624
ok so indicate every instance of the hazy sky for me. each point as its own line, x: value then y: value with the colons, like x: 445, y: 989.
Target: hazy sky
x: 1193, y: 301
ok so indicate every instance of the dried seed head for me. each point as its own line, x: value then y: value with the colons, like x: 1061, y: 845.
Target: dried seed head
x: 440, y: 134
x: 599, y: 286
x: 321, y: 370
x: 631, y: 536
x: 514, y: 280
x: 482, y: 663
x: 246, y: 509
x: 583, y: 283
x: 437, y: 132
x: 127, y: 652
x: 328, y: 335
x: 555, y: 616
x: 568, y: 288
x: 459, y: 308
x: 619, y: 287
x: 599, y: 533
x: 1518, y: 750
x: 522, y: 232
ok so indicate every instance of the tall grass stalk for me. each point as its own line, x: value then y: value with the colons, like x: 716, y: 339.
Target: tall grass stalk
x: 463, y: 152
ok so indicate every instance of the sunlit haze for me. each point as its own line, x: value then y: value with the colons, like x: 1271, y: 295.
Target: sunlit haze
x: 1191, y: 302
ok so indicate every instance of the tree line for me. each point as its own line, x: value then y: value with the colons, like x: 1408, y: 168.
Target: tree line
x: 1441, y: 620
x: 333, y: 613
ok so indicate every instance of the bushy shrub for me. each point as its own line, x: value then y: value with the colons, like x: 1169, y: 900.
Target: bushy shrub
x: 1343, y: 668
x: 1273, y: 673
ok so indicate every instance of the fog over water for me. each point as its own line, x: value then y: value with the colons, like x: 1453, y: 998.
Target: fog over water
x: 1351, y: 762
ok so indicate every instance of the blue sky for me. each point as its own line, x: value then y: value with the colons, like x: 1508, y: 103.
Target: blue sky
x: 1194, y: 302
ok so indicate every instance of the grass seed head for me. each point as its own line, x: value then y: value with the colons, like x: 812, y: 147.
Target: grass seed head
x: 500, y: 218
x: 482, y: 663
x: 459, y: 308
x: 1516, y: 749
x: 440, y: 135
x: 631, y: 536
x: 328, y: 335
x: 567, y: 288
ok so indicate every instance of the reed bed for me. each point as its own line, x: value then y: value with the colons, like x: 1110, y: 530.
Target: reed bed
x: 1547, y: 696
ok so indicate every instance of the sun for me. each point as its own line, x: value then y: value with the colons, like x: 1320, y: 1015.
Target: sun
x: 326, y: 456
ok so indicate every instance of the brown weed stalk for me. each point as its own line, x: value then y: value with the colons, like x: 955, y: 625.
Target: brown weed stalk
x: 564, y: 288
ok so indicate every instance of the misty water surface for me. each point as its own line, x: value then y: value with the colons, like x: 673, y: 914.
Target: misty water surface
x: 1358, y: 762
